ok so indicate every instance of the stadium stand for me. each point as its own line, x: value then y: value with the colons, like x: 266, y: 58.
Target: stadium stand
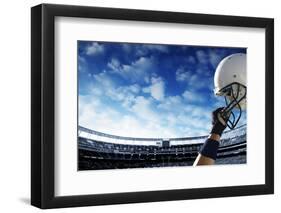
x: 98, y: 150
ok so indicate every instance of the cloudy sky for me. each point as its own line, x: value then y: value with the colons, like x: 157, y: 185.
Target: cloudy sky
x: 148, y: 90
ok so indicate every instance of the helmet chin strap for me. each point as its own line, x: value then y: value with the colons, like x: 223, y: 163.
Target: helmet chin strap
x: 226, y: 116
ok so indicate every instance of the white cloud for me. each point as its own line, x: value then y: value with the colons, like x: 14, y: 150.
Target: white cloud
x: 191, y: 60
x: 94, y: 49
x: 201, y: 112
x: 202, y: 57
x: 171, y: 103
x: 193, y: 97
x: 126, y: 95
x: 125, y: 110
x: 212, y: 56
x: 182, y: 74
x: 114, y: 64
x: 104, y: 86
x: 215, y: 59
x: 158, y: 47
x: 95, y: 115
x: 134, y: 88
x: 189, y: 120
x: 103, y: 79
x: 137, y: 71
x: 127, y: 48
x: 195, y: 127
x: 198, y: 119
x: 82, y: 64
x: 146, y: 89
x: 130, y: 114
x: 156, y: 89
x: 96, y: 91
x: 142, y: 108
x: 146, y: 49
x: 216, y: 56
x: 194, y: 81
x: 185, y: 115
x: 142, y: 122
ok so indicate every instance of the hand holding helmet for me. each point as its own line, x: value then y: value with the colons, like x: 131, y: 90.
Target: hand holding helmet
x: 230, y: 82
x: 218, y: 121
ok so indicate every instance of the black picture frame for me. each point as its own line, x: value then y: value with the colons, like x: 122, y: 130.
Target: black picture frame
x: 43, y: 102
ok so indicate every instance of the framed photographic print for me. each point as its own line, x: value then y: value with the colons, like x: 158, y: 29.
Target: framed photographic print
x: 139, y: 106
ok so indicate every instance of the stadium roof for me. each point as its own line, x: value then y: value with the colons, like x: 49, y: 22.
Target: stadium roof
x: 92, y: 134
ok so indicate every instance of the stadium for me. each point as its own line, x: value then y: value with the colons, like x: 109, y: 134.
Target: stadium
x: 97, y: 150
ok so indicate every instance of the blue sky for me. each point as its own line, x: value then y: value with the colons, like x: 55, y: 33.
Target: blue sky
x: 148, y: 90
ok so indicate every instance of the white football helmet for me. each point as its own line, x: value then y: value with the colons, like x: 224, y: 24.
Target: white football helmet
x: 230, y: 81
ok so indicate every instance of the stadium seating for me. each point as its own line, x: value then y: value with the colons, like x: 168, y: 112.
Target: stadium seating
x: 103, y: 151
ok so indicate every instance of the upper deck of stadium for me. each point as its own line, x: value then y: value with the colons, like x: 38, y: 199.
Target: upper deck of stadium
x: 108, y: 138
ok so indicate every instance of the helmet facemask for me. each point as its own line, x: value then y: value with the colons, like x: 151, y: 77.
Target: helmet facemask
x: 235, y: 100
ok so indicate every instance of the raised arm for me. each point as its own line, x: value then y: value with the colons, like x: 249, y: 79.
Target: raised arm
x: 208, y: 152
